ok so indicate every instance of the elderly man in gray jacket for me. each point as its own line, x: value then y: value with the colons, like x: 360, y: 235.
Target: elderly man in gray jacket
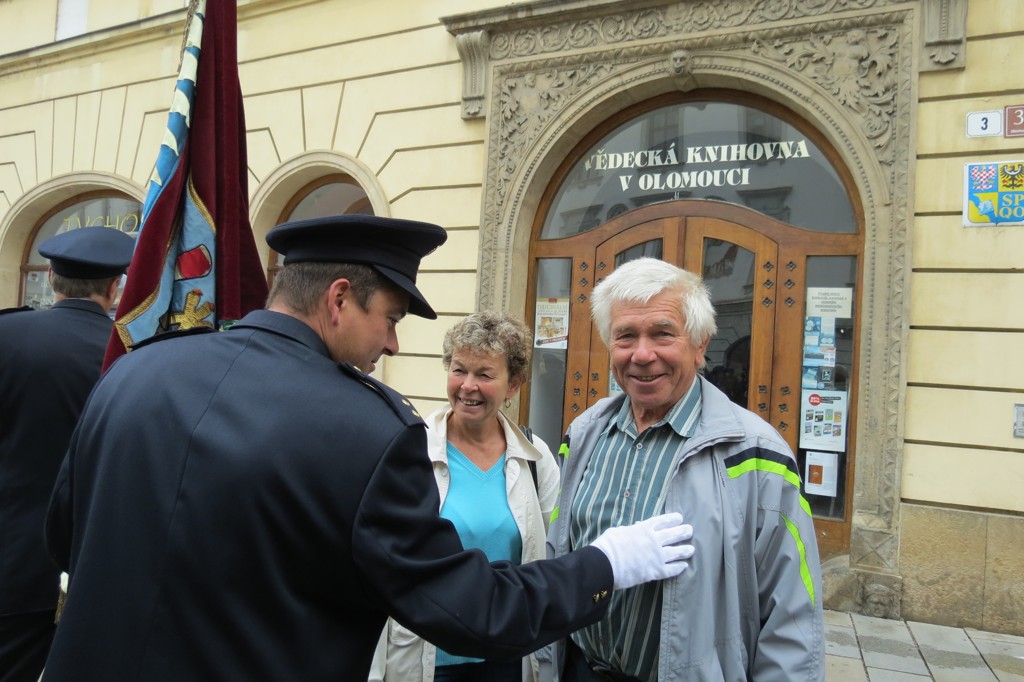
x: 749, y: 607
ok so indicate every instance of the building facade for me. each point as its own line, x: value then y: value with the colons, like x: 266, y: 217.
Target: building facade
x: 806, y: 156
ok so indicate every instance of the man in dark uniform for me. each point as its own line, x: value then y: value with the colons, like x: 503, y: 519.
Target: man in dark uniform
x: 250, y: 505
x: 49, y: 361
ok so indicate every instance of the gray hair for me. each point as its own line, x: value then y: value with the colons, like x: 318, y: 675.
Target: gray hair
x: 73, y: 287
x: 640, y: 280
x: 300, y: 285
x: 491, y: 332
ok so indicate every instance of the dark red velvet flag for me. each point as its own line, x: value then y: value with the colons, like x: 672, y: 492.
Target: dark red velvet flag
x: 196, y: 262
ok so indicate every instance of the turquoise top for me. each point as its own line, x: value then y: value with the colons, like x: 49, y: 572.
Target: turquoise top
x: 477, y: 505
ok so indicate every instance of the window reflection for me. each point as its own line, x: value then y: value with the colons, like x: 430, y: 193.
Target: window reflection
x: 327, y: 196
x: 729, y: 275
x: 547, y: 366
x: 116, y: 213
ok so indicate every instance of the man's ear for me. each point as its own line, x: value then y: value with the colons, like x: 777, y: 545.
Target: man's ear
x: 339, y: 294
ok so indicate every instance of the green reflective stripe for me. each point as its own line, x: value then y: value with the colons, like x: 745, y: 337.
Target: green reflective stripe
x: 563, y: 450
x: 806, y: 506
x: 755, y: 464
x: 554, y: 512
x: 805, y: 570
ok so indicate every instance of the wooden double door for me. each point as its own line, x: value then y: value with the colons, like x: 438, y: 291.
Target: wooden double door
x: 760, y: 272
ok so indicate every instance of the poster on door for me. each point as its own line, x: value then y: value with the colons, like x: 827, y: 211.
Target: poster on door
x: 823, y: 425
x: 821, y: 473
x: 824, y: 306
x: 551, y: 323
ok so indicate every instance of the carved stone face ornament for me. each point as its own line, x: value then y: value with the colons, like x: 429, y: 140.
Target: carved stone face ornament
x: 680, y: 61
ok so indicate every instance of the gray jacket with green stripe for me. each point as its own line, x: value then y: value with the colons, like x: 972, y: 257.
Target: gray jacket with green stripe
x: 749, y: 606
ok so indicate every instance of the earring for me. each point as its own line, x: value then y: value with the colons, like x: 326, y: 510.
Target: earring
x: 508, y: 403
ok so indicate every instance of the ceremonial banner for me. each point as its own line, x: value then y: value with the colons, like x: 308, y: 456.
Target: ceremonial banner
x: 196, y: 263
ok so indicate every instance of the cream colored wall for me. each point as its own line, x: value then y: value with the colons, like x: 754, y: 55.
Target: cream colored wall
x: 28, y: 23
x: 376, y: 82
x: 380, y: 83
x: 963, y: 377
x: 107, y: 13
x: 34, y: 22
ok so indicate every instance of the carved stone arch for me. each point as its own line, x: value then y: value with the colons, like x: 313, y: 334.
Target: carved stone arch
x: 519, y: 173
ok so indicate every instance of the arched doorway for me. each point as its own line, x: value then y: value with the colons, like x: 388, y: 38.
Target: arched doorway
x: 735, y: 188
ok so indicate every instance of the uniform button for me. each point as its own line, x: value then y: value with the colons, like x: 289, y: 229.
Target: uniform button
x: 625, y: 494
x: 639, y: 446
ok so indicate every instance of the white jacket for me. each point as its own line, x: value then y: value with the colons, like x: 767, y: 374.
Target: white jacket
x: 401, y: 655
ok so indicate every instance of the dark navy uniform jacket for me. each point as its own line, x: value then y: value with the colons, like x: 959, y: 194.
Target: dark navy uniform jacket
x: 236, y: 506
x: 49, y: 361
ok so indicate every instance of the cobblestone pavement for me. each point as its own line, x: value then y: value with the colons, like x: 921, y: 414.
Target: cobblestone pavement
x: 864, y: 649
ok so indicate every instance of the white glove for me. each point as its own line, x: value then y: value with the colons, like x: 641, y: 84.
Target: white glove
x: 647, y: 550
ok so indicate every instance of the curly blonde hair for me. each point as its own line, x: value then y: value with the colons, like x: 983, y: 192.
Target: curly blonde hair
x: 491, y: 332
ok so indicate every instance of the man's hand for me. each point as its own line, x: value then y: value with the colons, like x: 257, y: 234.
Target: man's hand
x: 647, y: 550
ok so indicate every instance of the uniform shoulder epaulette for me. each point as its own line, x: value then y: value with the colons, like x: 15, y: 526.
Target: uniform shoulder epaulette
x: 20, y: 309
x: 399, y: 403
x: 176, y: 334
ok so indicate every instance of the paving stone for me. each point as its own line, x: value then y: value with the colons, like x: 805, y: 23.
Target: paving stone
x: 950, y: 654
x: 840, y: 618
x: 840, y: 669
x: 887, y: 644
x: 883, y: 675
x: 841, y: 641
x: 995, y: 636
x: 1006, y: 659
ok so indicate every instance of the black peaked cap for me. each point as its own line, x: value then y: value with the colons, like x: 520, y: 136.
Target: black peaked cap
x: 89, y: 252
x: 392, y: 246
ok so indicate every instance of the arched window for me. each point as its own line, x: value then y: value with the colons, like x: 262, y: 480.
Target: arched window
x: 336, y: 194
x: 106, y: 209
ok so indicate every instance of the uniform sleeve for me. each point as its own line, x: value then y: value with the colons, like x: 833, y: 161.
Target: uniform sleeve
x: 58, y: 518
x: 791, y: 642
x: 455, y: 598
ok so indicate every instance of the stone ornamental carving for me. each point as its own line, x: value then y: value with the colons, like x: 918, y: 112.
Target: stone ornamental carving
x: 679, y: 61
x: 858, y: 68
x: 472, y: 47
x: 671, y: 21
x: 527, y: 102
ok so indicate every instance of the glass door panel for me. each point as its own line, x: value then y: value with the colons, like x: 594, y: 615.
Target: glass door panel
x: 728, y: 272
x: 650, y: 249
x: 826, y: 400
x: 740, y: 268
x: 546, y: 388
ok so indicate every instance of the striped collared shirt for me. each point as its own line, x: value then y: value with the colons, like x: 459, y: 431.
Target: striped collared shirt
x: 626, y: 480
